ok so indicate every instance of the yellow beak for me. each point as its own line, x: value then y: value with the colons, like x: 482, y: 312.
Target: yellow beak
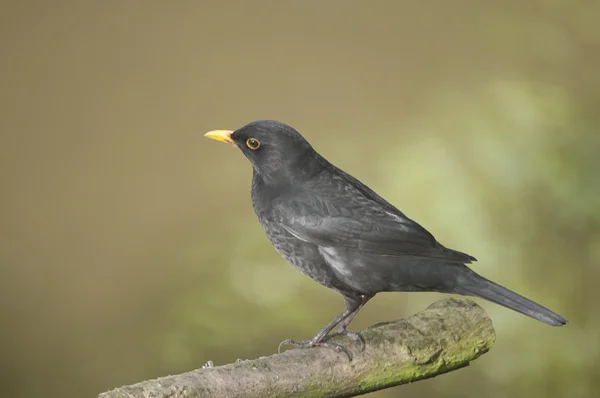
x: 220, y: 135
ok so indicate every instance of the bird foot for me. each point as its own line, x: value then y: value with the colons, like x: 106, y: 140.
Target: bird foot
x: 353, y: 335
x: 311, y: 343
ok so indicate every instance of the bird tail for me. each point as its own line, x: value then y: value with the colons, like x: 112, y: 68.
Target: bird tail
x: 476, y: 285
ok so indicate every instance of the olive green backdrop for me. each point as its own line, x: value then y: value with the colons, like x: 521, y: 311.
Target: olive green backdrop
x: 128, y: 246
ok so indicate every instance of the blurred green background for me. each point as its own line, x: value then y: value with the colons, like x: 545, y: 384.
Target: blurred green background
x: 128, y: 246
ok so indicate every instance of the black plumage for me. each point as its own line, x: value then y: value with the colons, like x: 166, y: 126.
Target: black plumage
x: 345, y: 236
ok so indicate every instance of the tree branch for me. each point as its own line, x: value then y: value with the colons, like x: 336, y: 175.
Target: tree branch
x: 446, y: 336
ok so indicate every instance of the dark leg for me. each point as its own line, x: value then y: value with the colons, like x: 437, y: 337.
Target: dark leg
x: 352, y: 304
x: 342, y: 326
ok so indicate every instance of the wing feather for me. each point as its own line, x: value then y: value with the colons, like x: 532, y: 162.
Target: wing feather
x: 342, y: 215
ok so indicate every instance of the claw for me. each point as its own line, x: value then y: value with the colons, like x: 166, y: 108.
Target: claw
x: 284, y: 342
x: 310, y: 344
x: 357, y: 337
x: 354, y: 335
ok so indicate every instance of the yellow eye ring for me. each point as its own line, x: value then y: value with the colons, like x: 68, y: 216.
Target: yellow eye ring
x: 253, y: 143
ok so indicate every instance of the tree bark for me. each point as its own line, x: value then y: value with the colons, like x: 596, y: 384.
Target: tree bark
x: 446, y: 336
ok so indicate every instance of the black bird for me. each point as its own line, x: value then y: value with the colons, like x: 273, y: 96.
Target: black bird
x: 343, y: 235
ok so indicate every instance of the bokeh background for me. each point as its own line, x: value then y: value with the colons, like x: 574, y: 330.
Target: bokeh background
x: 128, y: 246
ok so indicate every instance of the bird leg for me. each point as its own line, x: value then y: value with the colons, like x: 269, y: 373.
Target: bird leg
x: 343, y: 325
x: 352, y: 304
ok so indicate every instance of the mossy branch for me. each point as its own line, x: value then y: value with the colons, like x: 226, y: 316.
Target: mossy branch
x: 446, y: 336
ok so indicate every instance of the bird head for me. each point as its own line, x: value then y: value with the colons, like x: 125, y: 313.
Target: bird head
x: 278, y: 153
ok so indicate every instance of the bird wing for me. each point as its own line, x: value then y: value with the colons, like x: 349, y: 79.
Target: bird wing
x: 338, y: 214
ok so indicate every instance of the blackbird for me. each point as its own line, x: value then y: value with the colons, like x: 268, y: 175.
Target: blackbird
x: 342, y: 234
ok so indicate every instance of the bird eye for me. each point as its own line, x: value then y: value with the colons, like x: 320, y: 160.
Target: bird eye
x: 253, y: 143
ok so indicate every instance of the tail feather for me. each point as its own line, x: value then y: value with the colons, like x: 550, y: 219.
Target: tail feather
x: 476, y: 285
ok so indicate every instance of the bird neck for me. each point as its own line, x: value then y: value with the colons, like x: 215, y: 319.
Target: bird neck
x: 289, y: 173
